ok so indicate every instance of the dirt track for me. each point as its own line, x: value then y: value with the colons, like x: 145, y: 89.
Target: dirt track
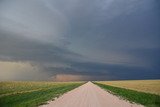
x: 89, y: 95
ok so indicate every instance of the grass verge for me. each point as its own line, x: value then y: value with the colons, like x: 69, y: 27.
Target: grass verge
x: 146, y: 99
x: 147, y: 86
x: 36, y: 97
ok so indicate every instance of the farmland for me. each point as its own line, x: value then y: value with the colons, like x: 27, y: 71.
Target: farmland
x: 148, y: 86
x: 145, y: 92
x: 24, y: 94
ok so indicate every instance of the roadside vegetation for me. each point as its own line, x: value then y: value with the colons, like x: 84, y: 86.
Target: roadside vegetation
x: 148, y: 86
x: 32, y: 94
x: 146, y: 99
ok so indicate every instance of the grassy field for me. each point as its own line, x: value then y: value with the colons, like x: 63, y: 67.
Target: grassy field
x: 135, y: 92
x: 148, y: 86
x: 31, y: 94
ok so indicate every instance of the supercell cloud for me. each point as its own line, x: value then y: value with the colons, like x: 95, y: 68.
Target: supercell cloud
x: 79, y: 39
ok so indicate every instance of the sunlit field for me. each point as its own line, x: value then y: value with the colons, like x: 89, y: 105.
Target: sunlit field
x: 149, y: 86
x: 145, y: 92
x: 29, y: 94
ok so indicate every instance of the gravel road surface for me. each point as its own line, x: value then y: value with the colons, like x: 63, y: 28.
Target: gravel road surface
x: 89, y: 95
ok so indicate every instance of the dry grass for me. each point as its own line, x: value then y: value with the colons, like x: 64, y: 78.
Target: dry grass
x: 32, y: 94
x: 149, y: 86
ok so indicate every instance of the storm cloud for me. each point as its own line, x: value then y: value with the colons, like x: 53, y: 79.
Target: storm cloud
x: 79, y: 39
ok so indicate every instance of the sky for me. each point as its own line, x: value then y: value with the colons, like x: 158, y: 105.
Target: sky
x: 72, y: 40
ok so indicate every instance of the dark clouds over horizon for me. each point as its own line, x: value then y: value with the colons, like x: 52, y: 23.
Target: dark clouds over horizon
x: 79, y: 39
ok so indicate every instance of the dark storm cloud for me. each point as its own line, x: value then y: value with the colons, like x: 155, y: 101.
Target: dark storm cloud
x: 107, y: 39
x: 23, y: 49
x: 117, y: 71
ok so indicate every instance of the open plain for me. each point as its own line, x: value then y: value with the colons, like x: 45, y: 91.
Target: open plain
x: 89, y: 95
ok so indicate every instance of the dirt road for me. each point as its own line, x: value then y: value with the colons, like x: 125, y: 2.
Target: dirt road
x: 89, y: 95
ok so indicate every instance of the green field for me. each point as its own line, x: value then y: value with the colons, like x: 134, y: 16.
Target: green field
x: 134, y: 91
x: 31, y: 94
